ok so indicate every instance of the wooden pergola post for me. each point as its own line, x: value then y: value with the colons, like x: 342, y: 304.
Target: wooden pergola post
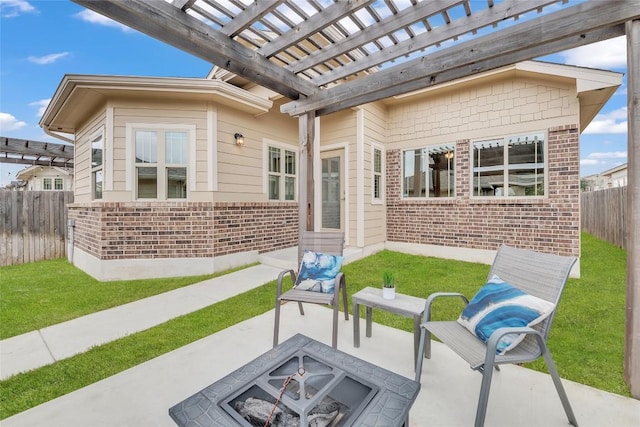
x: 632, y: 323
x: 307, y: 133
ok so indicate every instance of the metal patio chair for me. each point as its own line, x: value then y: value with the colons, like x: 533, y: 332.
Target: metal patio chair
x: 538, y: 274
x: 330, y: 243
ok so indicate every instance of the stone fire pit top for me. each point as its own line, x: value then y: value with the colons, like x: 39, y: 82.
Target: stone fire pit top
x: 389, y: 407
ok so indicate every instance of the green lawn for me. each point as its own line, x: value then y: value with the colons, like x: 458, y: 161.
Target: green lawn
x: 44, y: 293
x: 587, y: 340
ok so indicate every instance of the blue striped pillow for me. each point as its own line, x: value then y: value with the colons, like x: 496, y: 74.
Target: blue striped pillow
x: 499, y: 304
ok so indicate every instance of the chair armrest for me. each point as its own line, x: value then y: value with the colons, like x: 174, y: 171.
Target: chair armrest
x: 281, y: 276
x: 495, y: 337
x: 431, y: 298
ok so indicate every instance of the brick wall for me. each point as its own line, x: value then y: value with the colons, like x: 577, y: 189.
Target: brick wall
x: 141, y: 230
x: 550, y: 224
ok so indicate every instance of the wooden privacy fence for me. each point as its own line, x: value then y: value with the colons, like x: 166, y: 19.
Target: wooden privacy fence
x: 33, y: 225
x: 604, y: 214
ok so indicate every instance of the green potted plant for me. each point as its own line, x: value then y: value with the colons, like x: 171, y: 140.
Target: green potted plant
x: 388, y: 285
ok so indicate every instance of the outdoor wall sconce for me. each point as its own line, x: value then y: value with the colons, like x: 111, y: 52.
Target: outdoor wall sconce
x: 239, y: 138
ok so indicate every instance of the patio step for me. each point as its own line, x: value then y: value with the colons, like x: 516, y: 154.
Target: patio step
x: 287, y: 258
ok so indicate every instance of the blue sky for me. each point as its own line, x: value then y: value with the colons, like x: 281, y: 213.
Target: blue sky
x: 41, y: 41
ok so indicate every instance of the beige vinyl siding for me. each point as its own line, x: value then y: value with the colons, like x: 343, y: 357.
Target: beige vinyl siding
x: 488, y: 108
x: 375, y: 131
x: 133, y: 111
x: 241, y: 168
x: 82, y: 161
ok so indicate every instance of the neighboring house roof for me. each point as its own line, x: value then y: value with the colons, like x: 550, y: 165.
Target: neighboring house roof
x: 78, y: 94
x: 28, y: 173
x: 618, y: 168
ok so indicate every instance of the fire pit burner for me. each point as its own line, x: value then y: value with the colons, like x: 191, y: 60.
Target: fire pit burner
x: 302, y: 383
x: 302, y: 391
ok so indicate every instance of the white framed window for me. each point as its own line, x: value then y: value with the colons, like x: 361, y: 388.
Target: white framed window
x: 57, y: 184
x: 514, y: 166
x: 377, y: 174
x: 281, y: 172
x: 46, y: 183
x: 161, y: 159
x: 429, y: 172
x: 97, y: 174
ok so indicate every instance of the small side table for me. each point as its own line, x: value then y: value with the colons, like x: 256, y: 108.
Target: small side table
x: 405, y: 305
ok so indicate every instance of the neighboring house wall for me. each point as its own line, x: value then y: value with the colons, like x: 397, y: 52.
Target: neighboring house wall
x: 47, y: 178
x: 514, y: 106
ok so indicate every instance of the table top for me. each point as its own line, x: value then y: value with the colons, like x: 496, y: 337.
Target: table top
x: 406, y: 305
x: 389, y: 406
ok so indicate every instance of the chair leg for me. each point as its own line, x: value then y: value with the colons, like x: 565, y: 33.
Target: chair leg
x: 301, y: 309
x: 276, y: 327
x: 334, y: 334
x: 559, y: 388
x: 421, y: 350
x: 481, y: 412
x: 344, y: 301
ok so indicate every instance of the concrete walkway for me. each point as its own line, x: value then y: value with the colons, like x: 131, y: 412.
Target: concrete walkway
x: 38, y: 348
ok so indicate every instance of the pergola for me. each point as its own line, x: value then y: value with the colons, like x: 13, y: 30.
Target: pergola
x: 27, y: 152
x: 329, y: 55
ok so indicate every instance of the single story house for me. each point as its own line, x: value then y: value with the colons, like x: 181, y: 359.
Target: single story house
x: 177, y: 176
x: 611, y: 178
x: 46, y: 178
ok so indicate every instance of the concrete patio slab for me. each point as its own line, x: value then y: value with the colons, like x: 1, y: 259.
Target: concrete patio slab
x: 142, y: 395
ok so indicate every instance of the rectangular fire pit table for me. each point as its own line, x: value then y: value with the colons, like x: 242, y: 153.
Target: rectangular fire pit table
x: 405, y: 305
x: 323, y: 386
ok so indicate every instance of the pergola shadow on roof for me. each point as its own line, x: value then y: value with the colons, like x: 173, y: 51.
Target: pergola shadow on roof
x: 329, y: 55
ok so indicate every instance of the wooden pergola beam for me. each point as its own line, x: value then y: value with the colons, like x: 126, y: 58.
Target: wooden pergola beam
x: 530, y: 36
x: 478, y: 67
x: 251, y: 14
x: 420, y: 11
x: 317, y: 22
x: 173, y: 26
x: 632, y: 322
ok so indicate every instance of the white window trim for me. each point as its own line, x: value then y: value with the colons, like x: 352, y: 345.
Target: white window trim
x: 427, y: 197
x: 131, y: 155
x: 505, y: 166
x: 378, y: 200
x: 266, y: 143
x: 100, y: 132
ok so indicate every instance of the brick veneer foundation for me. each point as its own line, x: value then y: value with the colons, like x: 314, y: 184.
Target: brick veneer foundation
x: 145, y: 230
x: 550, y: 224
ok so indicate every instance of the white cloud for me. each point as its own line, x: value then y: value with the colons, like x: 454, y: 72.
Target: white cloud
x: 95, y: 18
x: 42, y: 106
x: 606, y: 54
x: 589, y: 162
x: 609, y: 155
x: 9, y: 122
x: 47, y: 59
x: 13, y: 8
x: 612, y: 122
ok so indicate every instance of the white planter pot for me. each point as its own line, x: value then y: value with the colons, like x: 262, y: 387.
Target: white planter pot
x: 388, y: 293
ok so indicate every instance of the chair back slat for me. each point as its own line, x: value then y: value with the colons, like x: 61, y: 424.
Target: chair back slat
x: 331, y: 243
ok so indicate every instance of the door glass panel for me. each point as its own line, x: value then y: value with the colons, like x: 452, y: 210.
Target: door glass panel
x: 331, y: 193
